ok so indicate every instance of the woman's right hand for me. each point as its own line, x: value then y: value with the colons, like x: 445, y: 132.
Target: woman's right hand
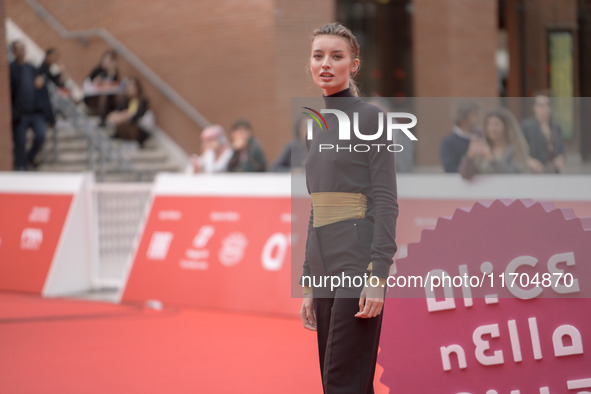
x: 479, y: 147
x: 195, y: 164
x: 308, y: 314
x: 474, y: 148
x: 535, y: 165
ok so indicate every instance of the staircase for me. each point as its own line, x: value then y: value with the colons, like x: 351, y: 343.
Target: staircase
x: 68, y: 149
x: 78, y: 143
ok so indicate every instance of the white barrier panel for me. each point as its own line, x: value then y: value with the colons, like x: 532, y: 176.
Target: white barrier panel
x: 45, y: 236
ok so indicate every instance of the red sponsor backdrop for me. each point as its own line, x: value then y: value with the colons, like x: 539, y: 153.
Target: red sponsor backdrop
x: 219, y: 252
x: 30, y: 229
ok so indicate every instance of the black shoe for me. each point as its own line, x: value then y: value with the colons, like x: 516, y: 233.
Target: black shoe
x: 32, y: 164
x: 143, y: 136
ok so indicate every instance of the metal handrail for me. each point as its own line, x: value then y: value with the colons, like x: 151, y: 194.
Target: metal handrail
x: 164, y: 88
x: 97, y: 138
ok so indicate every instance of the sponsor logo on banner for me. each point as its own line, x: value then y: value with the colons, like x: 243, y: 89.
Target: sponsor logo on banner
x: 39, y: 215
x: 228, y: 216
x: 197, y: 258
x: 194, y: 265
x: 203, y: 236
x: 274, y: 251
x: 170, y: 215
x: 31, y: 238
x: 221, y: 253
x: 159, y: 245
x: 197, y: 254
x: 233, y: 247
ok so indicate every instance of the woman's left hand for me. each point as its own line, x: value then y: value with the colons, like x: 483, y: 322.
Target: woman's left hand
x: 371, y: 302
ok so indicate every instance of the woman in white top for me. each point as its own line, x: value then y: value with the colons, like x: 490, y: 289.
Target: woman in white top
x: 216, y: 152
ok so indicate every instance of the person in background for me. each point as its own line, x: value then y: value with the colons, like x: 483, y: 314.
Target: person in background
x: 27, y: 108
x: 455, y: 145
x: 293, y: 156
x: 502, y: 150
x: 216, y: 152
x: 45, y: 69
x: 104, y: 76
x: 544, y: 137
x: 127, y: 117
x: 248, y: 154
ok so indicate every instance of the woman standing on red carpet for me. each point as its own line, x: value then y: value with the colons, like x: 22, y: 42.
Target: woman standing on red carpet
x: 352, y: 222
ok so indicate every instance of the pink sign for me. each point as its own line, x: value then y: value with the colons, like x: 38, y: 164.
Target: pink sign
x: 518, y: 318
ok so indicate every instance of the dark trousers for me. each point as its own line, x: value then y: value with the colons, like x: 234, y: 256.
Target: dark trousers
x: 347, y: 345
x: 19, y: 135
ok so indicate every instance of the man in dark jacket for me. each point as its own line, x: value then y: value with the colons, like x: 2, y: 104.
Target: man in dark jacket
x: 455, y: 145
x: 27, y: 108
x: 45, y: 69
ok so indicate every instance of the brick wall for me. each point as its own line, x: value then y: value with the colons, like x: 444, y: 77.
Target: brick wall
x: 5, y: 122
x: 454, y: 44
x: 293, y: 26
x: 228, y: 58
x: 231, y: 58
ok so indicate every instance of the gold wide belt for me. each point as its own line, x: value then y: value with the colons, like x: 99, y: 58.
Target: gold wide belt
x: 332, y: 207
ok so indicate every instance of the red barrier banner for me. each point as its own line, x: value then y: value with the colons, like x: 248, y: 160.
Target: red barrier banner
x: 220, y: 252
x: 29, y: 235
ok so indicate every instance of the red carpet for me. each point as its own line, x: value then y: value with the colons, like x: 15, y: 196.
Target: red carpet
x: 70, y: 346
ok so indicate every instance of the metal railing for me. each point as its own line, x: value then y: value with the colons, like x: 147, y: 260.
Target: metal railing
x: 118, y: 213
x: 81, y: 35
x: 98, y: 140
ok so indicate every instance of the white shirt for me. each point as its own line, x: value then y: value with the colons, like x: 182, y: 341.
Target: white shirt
x: 209, y: 164
x: 461, y: 133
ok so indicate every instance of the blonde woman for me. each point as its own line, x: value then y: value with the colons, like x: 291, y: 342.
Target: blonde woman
x: 502, y: 150
x: 352, y: 224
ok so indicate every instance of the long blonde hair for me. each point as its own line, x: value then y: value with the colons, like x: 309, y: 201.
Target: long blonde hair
x: 336, y: 29
x: 514, y: 135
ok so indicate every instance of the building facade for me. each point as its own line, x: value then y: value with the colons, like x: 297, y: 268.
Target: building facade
x: 246, y: 59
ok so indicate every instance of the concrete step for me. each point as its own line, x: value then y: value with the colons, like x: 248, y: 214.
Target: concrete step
x: 68, y: 145
x: 61, y: 167
x: 153, y: 156
x: 66, y: 135
x: 82, y: 156
x: 81, y: 144
x: 157, y: 167
x: 127, y: 177
x: 72, y: 148
x: 78, y: 166
x: 75, y: 166
x: 76, y: 157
